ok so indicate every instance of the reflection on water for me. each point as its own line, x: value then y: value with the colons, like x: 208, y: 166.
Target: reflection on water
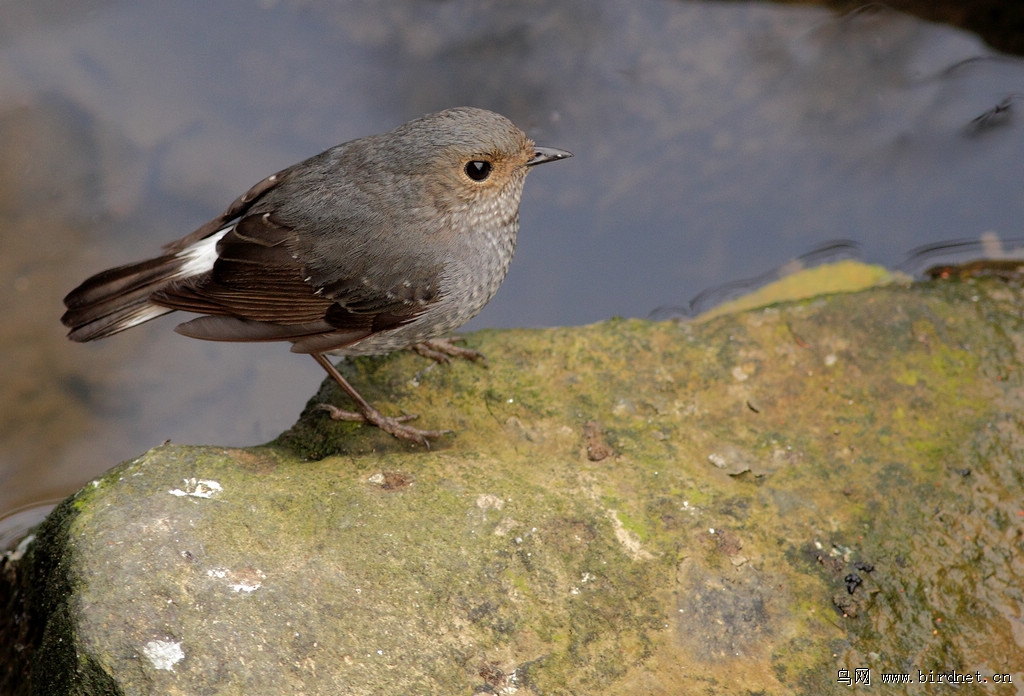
x: 713, y: 141
x: 964, y: 257
x: 14, y: 525
x: 830, y: 252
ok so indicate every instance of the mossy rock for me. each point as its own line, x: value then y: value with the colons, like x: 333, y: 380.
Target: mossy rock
x: 744, y: 505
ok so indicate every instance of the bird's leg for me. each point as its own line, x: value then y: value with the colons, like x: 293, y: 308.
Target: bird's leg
x: 368, y: 414
x: 442, y: 350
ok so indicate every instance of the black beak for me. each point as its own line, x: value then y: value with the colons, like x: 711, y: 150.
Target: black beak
x: 547, y: 154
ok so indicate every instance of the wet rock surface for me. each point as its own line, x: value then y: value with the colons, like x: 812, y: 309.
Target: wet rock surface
x: 764, y: 502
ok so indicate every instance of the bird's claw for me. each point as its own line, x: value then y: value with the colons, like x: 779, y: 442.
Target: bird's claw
x: 391, y: 425
x: 442, y: 350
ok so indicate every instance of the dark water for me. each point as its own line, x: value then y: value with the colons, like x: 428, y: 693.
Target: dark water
x: 713, y: 141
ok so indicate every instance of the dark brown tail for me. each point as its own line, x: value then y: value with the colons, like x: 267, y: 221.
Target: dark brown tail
x: 118, y: 299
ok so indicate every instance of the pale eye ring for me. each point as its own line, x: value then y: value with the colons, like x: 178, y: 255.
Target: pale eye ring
x: 478, y: 170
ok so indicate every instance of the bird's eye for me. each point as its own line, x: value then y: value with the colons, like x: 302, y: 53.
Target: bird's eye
x: 478, y: 170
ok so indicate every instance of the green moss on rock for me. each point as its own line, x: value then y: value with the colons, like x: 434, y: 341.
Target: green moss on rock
x: 747, y: 504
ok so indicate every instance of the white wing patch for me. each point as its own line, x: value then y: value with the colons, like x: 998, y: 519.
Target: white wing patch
x: 141, y: 315
x: 200, y: 257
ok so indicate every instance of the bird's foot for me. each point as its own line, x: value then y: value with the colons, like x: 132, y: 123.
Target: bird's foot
x: 393, y: 426
x: 442, y: 350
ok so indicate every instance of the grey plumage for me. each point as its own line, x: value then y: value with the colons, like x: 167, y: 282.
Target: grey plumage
x: 371, y: 246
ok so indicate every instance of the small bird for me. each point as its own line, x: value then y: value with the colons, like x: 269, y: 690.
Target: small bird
x: 381, y: 243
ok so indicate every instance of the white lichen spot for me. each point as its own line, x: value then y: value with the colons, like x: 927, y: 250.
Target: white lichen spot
x: 717, y: 459
x: 841, y: 551
x: 377, y: 479
x: 250, y: 585
x: 629, y: 540
x: 584, y: 579
x: 512, y: 688
x: 489, y: 501
x: 198, y: 488
x: 687, y: 507
x: 739, y: 374
x: 242, y: 580
x: 163, y: 654
x: 831, y: 359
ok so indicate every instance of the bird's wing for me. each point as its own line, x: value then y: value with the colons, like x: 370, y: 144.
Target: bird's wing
x: 239, y: 207
x: 261, y: 288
